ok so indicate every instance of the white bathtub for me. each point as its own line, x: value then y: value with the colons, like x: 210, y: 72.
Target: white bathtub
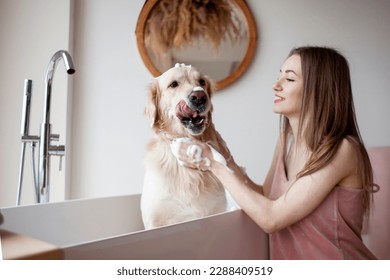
x: 111, y: 228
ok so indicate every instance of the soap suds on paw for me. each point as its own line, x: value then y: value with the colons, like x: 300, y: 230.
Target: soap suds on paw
x: 175, y: 147
x: 195, y: 151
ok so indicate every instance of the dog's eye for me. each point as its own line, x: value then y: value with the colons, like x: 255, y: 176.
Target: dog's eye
x: 202, y: 82
x: 174, y: 84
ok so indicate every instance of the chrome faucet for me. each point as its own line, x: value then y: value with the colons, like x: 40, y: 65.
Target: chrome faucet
x: 45, y: 148
x: 42, y: 189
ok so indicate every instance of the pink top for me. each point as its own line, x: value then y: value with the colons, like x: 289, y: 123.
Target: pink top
x: 331, y: 231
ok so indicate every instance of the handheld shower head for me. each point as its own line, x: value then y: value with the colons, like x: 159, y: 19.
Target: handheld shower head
x: 26, y: 107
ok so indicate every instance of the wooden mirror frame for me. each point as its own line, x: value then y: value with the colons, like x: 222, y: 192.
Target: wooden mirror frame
x: 237, y: 73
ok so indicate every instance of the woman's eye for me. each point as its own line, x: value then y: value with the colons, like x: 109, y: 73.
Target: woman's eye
x: 174, y: 84
x: 202, y: 82
x: 290, y: 80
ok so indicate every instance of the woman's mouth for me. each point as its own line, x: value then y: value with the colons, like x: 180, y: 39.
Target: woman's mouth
x: 278, y: 99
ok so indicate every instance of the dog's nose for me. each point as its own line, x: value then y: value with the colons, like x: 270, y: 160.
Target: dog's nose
x: 198, y: 98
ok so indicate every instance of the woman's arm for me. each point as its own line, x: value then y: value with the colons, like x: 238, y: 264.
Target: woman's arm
x: 304, y: 195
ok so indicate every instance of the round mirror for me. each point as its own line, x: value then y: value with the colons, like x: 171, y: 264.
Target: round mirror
x: 217, y: 37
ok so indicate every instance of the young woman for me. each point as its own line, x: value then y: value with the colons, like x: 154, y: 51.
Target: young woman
x: 320, y: 181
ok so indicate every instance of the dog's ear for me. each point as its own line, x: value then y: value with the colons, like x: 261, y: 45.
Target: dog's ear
x: 210, y: 90
x: 210, y: 86
x: 151, y: 106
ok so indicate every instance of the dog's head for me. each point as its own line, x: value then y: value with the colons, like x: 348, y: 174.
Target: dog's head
x: 180, y: 101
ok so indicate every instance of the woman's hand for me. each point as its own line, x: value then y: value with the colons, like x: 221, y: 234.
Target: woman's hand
x: 223, y: 149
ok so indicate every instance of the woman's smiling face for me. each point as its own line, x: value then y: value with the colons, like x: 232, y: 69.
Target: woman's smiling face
x: 289, y: 88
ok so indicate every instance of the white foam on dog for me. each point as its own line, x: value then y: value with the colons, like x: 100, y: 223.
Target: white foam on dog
x: 196, y: 151
x: 179, y: 65
x: 198, y: 88
x: 175, y: 147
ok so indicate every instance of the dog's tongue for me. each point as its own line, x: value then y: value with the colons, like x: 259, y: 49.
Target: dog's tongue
x: 184, y: 111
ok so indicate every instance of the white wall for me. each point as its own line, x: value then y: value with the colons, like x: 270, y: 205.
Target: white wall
x: 109, y: 132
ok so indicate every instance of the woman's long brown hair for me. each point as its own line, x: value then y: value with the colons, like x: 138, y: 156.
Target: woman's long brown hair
x: 328, y: 114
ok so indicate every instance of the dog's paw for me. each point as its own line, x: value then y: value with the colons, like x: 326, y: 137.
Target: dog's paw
x: 175, y: 148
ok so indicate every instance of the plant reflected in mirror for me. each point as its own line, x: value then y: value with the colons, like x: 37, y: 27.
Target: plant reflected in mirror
x: 218, y: 37
x: 174, y: 24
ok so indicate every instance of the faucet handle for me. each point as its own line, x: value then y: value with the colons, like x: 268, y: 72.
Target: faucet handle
x: 54, y: 137
x: 30, y: 138
x: 60, y: 164
x: 57, y: 151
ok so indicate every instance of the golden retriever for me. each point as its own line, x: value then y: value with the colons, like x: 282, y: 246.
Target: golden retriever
x: 179, y: 106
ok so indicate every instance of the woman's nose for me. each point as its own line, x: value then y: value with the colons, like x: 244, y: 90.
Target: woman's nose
x: 277, y: 86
